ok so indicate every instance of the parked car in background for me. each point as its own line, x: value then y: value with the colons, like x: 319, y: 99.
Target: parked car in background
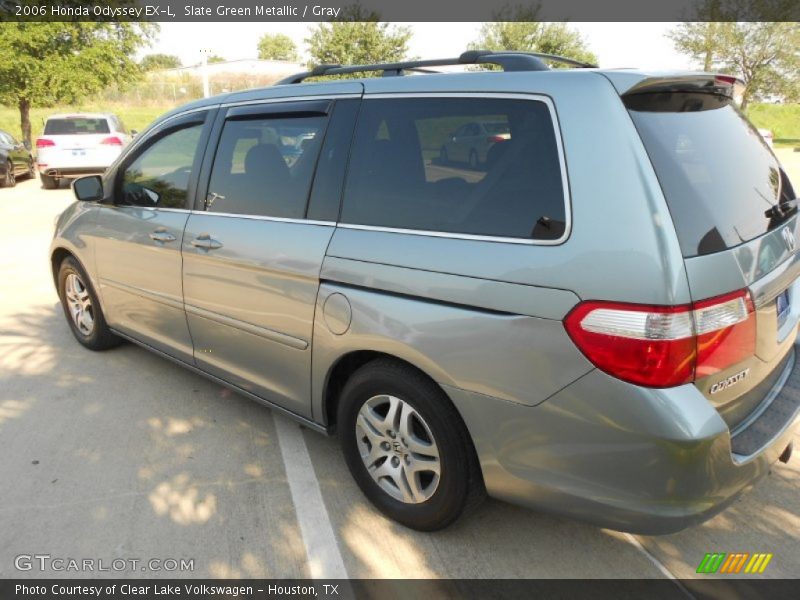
x: 471, y: 142
x: 767, y: 135
x: 614, y: 341
x: 15, y: 160
x: 79, y: 144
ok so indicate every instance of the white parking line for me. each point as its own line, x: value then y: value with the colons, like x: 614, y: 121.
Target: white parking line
x: 658, y: 564
x: 324, y: 559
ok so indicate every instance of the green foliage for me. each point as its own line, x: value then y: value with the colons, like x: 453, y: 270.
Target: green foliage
x: 357, y: 39
x: 215, y: 58
x: 765, y: 54
x: 155, y: 62
x: 783, y: 120
x: 517, y: 29
x: 49, y: 63
x: 277, y: 46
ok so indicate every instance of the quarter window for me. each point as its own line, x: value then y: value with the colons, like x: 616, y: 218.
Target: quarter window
x: 159, y: 176
x: 264, y: 166
x: 477, y: 166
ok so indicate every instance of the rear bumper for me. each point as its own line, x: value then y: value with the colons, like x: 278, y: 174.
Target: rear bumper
x: 71, y: 172
x: 621, y: 456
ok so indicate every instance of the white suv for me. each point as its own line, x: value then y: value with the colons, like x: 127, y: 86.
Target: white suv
x: 78, y: 144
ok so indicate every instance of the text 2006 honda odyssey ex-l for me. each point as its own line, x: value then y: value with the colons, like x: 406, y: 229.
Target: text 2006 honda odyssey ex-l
x: 594, y: 315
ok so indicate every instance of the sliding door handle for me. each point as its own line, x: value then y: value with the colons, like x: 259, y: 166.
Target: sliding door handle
x: 162, y: 235
x: 206, y: 242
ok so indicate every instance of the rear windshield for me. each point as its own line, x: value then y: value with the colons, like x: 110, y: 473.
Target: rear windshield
x: 76, y: 126
x: 718, y: 175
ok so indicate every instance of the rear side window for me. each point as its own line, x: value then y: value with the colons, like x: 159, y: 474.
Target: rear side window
x: 717, y: 173
x: 264, y: 166
x: 76, y: 126
x: 474, y: 166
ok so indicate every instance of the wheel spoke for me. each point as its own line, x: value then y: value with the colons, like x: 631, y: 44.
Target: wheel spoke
x: 414, y: 485
x: 375, y: 436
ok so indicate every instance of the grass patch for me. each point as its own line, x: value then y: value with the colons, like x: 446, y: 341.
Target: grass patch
x: 134, y: 117
x: 782, y: 119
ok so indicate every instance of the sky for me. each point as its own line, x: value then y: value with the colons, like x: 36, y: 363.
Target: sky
x: 640, y: 45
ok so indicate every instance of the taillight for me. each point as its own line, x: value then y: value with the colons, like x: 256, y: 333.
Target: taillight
x: 493, y: 139
x: 44, y: 143
x: 665, y: 346
x: 112, y: 141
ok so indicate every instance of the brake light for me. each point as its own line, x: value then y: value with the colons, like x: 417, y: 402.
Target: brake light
x: 112, y: 141
x: 493, y: 139
x: 44, y: 143
x: 665, y: 346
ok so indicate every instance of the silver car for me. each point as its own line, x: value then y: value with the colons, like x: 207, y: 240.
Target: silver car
x: 600, y: 322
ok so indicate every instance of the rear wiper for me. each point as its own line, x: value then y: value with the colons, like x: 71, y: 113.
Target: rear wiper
x: 782, y: 209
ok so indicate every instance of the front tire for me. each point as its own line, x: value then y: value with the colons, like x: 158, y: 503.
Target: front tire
x: 48, y: 182
x: 82, y: 308
x: 407, y: 447
x: 11, y: 178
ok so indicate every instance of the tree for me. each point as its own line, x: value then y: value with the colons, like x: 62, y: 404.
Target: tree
x: 277, y: 46
x: 765, y: 55
x: 358, y: 38
x: 155, y: 62
x: 518, y: 29
x: 49, y: 63
x: 216, y: 58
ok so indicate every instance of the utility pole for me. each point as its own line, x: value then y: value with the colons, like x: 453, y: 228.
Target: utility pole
x: 204, y: 72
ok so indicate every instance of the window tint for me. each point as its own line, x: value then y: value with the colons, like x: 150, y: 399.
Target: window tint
x: 414, y: 168
x: 159, y: 176
x: 264, y: 166
x: 717, y: 173
x: 76, y: 126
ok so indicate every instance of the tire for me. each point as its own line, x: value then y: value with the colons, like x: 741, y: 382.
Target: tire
x: 429, y: 502
x: 49, y: 183
x: 11, y: 178
x: 473, y: 160
x: 79, y: 298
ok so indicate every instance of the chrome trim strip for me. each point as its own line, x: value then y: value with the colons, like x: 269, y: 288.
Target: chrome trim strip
x: 266, y: 218
x: 562, y: 160
x: 269, y: 334
x: 300, y: 419
x: 290, y: 99
x: 146, y: 294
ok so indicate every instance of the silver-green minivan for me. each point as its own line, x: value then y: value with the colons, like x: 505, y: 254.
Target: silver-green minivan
x: 593, y: 311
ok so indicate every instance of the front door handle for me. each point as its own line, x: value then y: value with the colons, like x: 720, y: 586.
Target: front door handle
x: 162, y: 235
x: 206, y: 242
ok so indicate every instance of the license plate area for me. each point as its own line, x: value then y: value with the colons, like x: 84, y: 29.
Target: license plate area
x: 79, y: 152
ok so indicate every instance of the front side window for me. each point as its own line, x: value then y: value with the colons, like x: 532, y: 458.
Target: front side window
x: 264, y: 166
x: 475, y: 166
x: 159, y: 176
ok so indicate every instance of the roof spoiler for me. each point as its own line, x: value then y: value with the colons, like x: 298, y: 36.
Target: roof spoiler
x: 707, y: 83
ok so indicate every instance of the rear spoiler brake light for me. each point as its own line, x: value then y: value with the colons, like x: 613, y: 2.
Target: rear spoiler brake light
x: 708, y: 83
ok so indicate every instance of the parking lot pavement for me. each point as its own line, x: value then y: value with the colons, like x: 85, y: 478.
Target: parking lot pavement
x: 124, y: 455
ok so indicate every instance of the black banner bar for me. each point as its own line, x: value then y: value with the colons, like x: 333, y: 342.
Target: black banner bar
x: 716, y: 588
x: 405, y: 10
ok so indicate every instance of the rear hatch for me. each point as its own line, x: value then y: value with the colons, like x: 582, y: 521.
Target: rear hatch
x: 77, y: 141
x: 732, y: 207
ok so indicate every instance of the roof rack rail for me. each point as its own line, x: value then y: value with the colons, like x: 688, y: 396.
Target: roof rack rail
x: 507, y: 59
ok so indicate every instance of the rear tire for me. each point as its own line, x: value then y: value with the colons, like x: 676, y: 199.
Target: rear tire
x: 48, y: 182
x: 82, y: 308
x: 11, y: 178
x: 394, y: 464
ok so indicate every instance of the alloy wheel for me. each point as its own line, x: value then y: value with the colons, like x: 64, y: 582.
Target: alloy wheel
x: 79, y: 303
x: 398, y: 449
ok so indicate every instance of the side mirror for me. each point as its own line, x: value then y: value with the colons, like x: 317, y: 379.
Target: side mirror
x: 88, y: 189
